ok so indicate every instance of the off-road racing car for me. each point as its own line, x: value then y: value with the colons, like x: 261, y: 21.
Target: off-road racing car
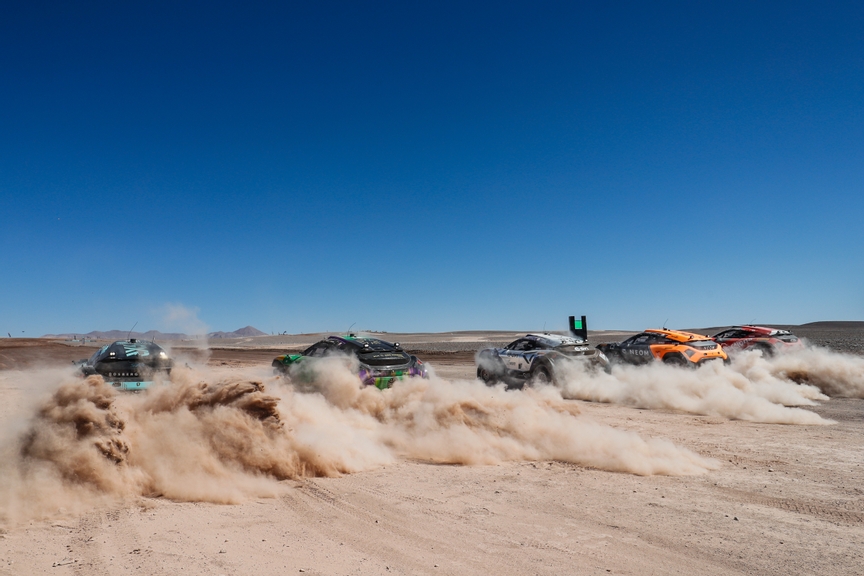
x: 536, y: 358
x: 668, y: 346
x: 128, y: 364
x: 768, y: 340
x: 381, y: 363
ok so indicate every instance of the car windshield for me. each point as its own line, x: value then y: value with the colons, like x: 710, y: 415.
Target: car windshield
x: 375, y: 345
x: 702, y: 344
x: 128, y: 350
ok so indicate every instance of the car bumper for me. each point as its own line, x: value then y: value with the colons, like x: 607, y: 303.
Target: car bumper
x: 717, y: 359
x: 386, y: 378
x: 699, y: 358
x: 129, y: 385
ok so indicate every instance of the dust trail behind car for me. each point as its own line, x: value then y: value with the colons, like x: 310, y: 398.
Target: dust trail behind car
x: 223, y: 436
x: 752, y: 387
x: 835, y: 373
x: 464, y: 422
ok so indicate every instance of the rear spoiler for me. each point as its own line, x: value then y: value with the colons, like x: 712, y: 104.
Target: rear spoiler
x: 579, y: 328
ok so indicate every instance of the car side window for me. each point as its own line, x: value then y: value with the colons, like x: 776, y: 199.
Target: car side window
x: 317, y: 350
x: 545, y: 344
x: 515, y: 344
x: 345, y: 348
x: 630, y: 340
x: 97, y: 354
x: 642, y: 339
x: 522, y: 345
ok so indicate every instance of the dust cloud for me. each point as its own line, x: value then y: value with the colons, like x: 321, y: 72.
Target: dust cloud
x: 752, y: 387
x: 834, y: 373
x: 175, y: 317
x: 467, y: 422
x: 223, y: 436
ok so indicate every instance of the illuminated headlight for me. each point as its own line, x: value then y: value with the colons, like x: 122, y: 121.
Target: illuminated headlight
x: 163, y: 355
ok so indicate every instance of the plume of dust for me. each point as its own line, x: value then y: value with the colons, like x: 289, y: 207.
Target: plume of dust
x: 467, y: 422
x: 834, y: 373
x: 218, y: 436
x: 746, y: 390
x: 180, y: 318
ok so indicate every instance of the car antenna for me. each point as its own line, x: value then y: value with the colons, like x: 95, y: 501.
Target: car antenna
x: 349, y: 328
x: 544, y: 327
x: 130, y: 330
x: 664, y: 324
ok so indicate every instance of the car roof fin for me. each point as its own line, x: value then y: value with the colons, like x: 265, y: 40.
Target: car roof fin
x: 580, y: 328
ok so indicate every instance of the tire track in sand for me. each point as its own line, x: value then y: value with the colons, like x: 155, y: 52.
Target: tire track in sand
x: 373, y: 522
x: 817, y: 509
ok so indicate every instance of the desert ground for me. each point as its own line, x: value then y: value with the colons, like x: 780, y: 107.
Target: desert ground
x: 652, y: 483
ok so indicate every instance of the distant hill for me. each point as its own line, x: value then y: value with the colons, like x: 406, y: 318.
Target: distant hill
x: 241, y: 333
x: 155, y: 335
x: 836, y: 324
x: 121, y: 335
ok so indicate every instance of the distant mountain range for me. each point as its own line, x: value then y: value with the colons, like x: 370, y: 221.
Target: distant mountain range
x: 250, y: 331
x: 156, y: 335
x: 836, y: 324
x: 241, y: 333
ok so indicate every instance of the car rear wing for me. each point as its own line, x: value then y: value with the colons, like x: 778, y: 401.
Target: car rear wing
x: 579, y: 328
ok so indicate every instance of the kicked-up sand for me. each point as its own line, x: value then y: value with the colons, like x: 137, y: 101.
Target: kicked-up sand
x: 229, y: 470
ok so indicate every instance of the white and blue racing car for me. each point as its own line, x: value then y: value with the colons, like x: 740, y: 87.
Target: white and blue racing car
x: 535, y: 358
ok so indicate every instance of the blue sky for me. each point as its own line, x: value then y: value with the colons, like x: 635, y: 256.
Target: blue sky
x: 430, y: 166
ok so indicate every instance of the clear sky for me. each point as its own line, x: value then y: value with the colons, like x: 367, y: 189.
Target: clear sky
x: 434, y: 166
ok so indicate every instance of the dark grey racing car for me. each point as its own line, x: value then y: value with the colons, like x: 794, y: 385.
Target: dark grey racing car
x: 536, y: 358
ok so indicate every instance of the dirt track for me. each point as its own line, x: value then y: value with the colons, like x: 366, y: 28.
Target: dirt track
x: 786, y: 500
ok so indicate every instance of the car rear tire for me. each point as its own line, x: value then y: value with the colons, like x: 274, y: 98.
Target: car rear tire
x: 541, y: 377
x: 767, y: 351
x: 675, y: 360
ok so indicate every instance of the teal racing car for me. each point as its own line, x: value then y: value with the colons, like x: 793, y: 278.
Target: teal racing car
x: 128, y: 365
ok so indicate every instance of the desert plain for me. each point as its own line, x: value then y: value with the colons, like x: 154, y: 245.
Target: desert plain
x: 754, y: 469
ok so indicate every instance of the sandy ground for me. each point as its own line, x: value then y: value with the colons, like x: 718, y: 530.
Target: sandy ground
x: 787, y: 499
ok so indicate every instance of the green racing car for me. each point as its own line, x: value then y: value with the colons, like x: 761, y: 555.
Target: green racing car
x: 381, y: 363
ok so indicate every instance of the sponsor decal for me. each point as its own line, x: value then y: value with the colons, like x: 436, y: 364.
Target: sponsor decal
x: 133, y: 350
x: 637, y: 352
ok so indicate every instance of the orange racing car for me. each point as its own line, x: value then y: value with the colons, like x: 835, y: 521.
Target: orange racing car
x: 671, y: 347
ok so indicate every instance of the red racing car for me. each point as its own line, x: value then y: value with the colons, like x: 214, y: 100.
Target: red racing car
x: 768, y: 340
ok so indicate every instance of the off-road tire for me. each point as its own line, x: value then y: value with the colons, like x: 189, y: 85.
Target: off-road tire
x: 675, y: 360
x: 767, y: 351
x: 541, y: 376
x: 279, y: 369
x: 486, y: 376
